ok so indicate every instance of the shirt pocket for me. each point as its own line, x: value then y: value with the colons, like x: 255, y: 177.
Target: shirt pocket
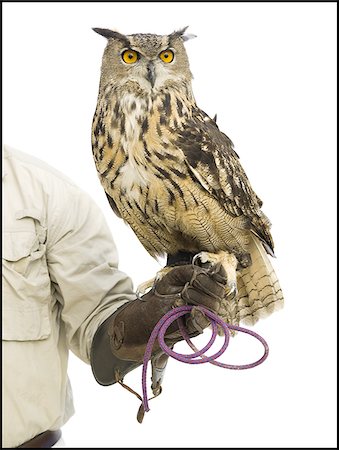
x: 26, y: 284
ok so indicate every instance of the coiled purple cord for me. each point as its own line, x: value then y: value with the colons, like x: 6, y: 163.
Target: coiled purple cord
x: 161, y: 328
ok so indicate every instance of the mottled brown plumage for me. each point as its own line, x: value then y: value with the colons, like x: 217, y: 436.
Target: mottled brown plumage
x: 172, y: 175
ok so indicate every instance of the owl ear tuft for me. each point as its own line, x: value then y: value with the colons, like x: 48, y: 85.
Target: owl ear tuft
x: 110, y: 34
x: 181, y: 34
x: 187, y: 37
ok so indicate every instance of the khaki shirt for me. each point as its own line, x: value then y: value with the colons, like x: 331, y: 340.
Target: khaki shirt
x: 60, y: 282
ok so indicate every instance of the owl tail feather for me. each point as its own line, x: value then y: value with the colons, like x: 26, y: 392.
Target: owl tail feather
x: 259, y: 291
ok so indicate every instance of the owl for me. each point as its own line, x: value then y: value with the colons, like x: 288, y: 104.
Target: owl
x: 173, y: 176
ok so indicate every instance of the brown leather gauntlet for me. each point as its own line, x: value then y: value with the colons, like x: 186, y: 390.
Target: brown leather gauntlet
x: 119, y: 344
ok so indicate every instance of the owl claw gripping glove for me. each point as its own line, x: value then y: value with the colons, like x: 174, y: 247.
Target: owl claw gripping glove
x: 119, y: 343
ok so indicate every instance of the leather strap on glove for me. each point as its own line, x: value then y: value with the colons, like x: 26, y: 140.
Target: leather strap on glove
x: 119, y: 343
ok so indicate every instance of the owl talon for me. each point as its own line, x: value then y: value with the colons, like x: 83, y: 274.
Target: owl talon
x: 205, y: 261
x: 149, y: 285
x: 144, y: 287
x: 194, y: 259
x: 139, y: 294
x: 232, y: 292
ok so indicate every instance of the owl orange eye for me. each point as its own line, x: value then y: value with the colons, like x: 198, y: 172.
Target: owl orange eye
x: 130, y: 56
x: 167, y: 56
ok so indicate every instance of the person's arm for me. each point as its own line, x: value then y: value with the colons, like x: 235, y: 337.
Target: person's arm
x: 83, y: 266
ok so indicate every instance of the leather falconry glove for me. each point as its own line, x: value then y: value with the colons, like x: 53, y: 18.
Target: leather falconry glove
x: 119, y: 343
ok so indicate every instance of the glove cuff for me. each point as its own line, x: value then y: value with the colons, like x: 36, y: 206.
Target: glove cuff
x: 107, y: 368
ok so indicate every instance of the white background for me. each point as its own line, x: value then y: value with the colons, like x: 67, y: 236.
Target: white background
x: 269, y: 71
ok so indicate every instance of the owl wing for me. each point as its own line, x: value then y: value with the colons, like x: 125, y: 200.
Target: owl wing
x: 113, y: 205
x: 212, y: 161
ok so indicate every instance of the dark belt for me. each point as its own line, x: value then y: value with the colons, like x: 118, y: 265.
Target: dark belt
x: 44, y: 440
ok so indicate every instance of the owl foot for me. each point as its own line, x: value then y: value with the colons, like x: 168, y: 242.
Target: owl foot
x: 229, y: 263
x: 150, y: 284
x: 144, y: 287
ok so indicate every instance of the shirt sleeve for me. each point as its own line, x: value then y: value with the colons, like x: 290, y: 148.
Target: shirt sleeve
x: 83, y: 265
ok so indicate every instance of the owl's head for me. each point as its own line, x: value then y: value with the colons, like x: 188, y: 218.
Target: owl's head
x: 150, y: 61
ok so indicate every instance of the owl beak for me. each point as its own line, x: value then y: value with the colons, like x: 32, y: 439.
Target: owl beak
x: 151, y: 73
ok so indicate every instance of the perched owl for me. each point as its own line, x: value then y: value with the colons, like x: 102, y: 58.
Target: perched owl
x: 173, y: 176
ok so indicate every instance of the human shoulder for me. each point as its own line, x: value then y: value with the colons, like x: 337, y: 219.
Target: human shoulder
x: 20, y: 160
x: 35, y: 186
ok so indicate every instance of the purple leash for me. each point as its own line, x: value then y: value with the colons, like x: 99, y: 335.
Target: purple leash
x: 161, y: 328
